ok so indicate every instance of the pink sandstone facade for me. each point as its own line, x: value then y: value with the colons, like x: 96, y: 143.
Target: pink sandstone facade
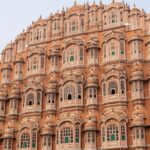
x: 78, y: 80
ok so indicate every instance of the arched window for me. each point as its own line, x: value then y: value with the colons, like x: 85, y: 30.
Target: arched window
x: 60, y: 94
x: 91, y: 137
x: 65, y: 28
x: 92, y: 17
x: 34, y: 136
x: 104, y: 51
x: 38, y: 98
x: 51, y: 98
x: 8, y: 144
x: 112, y: 48
x: 64, y: 57
x: 46, y: 140
x: 69, y: 92
x: 34, y: 63
x: 122, y: 47
x: 73, y: 26
x: 81, y: 54
x: 79, y: 91
x: 77, y: 134
x: 113, y: 18
x: 66, y: 135
x: 104, y: 89
x: 42, y: 62
x: 90, y: 93
x: 25, y: 140
x: 57, y: 137
x: 44, y: 33
x: 30, y: 99
x: 113, y: 88
x: 122, y: 86
x: 123, y: 133
x: 103, y: 134
x: 72, y: 55
x: 112, y: 133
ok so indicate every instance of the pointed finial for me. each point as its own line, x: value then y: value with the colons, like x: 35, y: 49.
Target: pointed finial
x: 113, y: 1
x: 40, y: 17
x: 101, y: 2
x: 63, y: 10
x: 75, y: 3
x: 134, y: 5
x: 94, y: 2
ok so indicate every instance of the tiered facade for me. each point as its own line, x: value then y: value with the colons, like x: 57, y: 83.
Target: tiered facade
x: 78, y: 80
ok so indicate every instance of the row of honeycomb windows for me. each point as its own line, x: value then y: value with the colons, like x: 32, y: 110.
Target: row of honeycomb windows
x: 114, y: 135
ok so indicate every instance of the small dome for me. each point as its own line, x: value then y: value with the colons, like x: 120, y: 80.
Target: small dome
x: 90, y: 124
x: 91, y: 115
x: 9, y: 133
x: 19, y: 59
x: 93, y: 42
x: 3, y: 94
x: 138, y: 110
x: 75, y: 8
x: 114, y: 4
x: 92, y: 80
x: 6, y: 66
x: 56, y: 16
x: 137, y: 72
x: 50, y: 16
x: 52, y: 86
x: 94, y: 6
x: 101, y: 5
x: 134, y: 10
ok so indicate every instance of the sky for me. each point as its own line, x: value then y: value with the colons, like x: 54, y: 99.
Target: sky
x: 16, y: 15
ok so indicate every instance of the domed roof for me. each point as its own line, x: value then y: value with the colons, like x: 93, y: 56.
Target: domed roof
x: 75, y: 8
x: 138, y: 110
x: 101, y: 5
x: 90, y: 124
x: 56, y: 16
x: 135, y: 10
x: 47, y: 130
x: 3, y: 94
x: 39, y: 22
x: 6, y: 66
x: 115, y: 4
x: 52, y: 86
x: 94, y: 6
x: 55, y: 50
x: 137, y: 72
x: 91, y: 115
x: 92, y: 79
x: 15, y: 93
x: 19, y: 59
x: 93, y: 43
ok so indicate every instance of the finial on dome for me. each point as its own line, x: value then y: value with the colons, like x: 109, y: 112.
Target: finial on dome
x: 94, y: 2
x: 113, y: 1
x: 75, y: 3
x: 134, y: 5
x: 40, y: 17
x: 101, y: 2
x: 63, y: 10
